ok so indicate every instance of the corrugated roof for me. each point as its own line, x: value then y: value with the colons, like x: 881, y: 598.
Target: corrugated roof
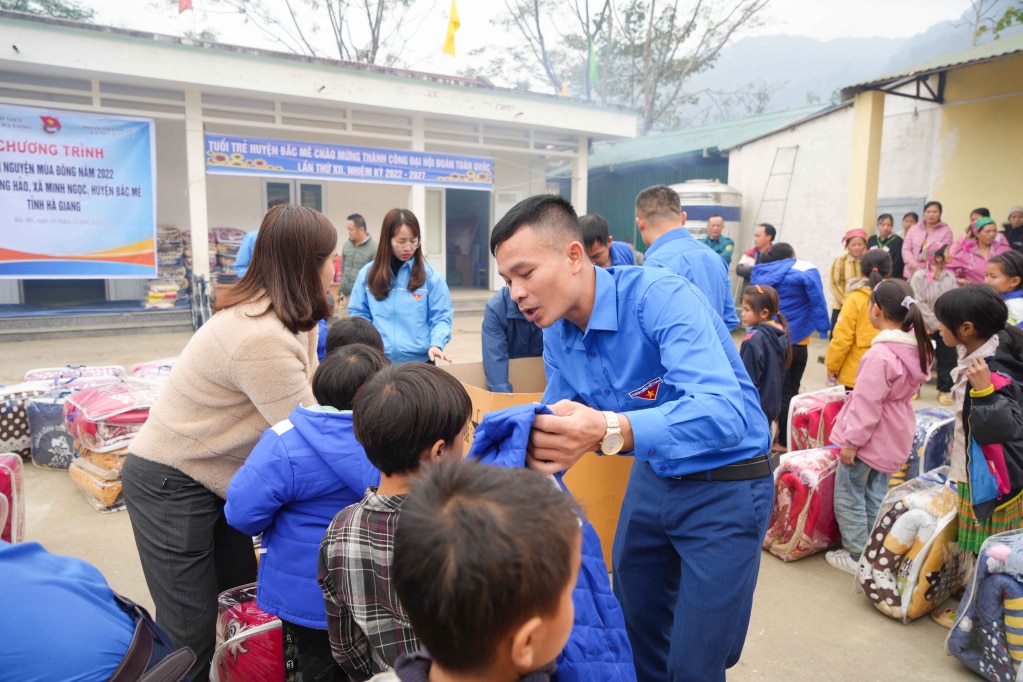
x: 710, y: 137
x: 996, y: 49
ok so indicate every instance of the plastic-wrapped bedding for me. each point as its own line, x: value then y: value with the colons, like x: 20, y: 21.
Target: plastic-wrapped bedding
x: 912, y: 562
x: 987, y: 635
x: 803, y: 518
x: 249, y: 645
x: 932, y: 444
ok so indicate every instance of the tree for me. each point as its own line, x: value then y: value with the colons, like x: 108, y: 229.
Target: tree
x: 1013, y: 15
x: 646, y: 50
x: 368, y: 31
x: 58, y: 9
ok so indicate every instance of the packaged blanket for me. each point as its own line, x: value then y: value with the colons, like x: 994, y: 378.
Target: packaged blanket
x: 157, y: 370
x: 812, y: 416
x: 249, y: 645
x: 102, y: 487
x: 12, y: 522
x: 987, y: 635
x: 15, y: 435
x: 912, y: 562
x: 105, y: 418
x: 62, y: 374
x: 803, y: 518
x: 53, y: 446
x: 932, y: 444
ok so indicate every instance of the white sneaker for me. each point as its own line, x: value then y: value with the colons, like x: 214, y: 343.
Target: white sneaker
x: 842, y: 560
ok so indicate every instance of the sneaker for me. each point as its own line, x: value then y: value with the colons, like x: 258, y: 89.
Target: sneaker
x: 842, y: 560
x: 944, y: 398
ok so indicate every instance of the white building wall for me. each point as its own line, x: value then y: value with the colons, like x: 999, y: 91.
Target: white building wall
x: 814, y: 214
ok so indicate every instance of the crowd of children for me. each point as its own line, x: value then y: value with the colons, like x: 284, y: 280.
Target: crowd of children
x: 960, y: 312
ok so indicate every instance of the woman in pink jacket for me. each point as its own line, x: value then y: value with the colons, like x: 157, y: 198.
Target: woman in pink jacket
x: 931, y: 231
x: 971, y: 254
x: 876, y: 424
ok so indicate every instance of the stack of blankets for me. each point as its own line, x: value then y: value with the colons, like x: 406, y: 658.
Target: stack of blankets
x: 229, y: 239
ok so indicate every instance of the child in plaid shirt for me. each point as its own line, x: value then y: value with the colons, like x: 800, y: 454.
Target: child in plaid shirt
x: 405, y: 415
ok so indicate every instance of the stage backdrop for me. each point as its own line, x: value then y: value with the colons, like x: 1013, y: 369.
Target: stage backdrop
x: 77, y: 195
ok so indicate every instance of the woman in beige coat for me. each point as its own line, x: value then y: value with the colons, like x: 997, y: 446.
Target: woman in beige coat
x: 244, y: 370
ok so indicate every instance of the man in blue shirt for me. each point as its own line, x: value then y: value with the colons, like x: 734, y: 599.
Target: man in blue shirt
x: 248, y: 245
x: 507, y: 334
x: 661, y: 223
x: 639, y: 364
x: 601, y: 248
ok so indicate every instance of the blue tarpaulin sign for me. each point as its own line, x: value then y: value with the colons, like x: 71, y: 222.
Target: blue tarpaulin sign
x: 77, y: 195
x: 238, y: 155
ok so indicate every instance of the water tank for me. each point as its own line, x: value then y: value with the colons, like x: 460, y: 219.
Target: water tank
x: 704, y: 198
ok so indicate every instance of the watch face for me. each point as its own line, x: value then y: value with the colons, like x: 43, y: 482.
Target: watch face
x: 612, y: 444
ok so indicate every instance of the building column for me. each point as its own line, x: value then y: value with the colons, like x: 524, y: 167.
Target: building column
x: 581, y: 177
x: 417, y: 193
x: 865, y: 163
x: 195, y: 165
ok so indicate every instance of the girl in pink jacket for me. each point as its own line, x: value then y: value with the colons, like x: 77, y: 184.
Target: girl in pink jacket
x: 875, y: 426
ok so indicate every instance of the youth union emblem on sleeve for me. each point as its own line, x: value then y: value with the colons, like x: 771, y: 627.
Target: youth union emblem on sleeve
x: 647, y: 391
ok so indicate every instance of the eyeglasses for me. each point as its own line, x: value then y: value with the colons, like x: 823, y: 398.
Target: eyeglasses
x: 414, y: 243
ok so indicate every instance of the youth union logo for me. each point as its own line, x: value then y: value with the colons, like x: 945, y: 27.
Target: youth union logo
x: 51, y: 124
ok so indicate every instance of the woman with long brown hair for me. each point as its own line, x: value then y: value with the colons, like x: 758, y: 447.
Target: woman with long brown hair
x: 243, y: 371
x: 406, y: 300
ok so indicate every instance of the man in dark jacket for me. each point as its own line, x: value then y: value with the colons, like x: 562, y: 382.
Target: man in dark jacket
x: 507, y: 334
x: 801, y: 300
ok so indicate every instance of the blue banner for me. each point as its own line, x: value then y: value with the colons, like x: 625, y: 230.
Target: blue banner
x: 77, y: 195
x: 237, y: 155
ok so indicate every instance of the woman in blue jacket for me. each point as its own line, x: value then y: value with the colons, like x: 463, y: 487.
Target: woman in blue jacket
x: 405, y: 299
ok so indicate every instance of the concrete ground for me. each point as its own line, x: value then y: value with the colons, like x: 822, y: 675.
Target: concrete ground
x: 807, y: 622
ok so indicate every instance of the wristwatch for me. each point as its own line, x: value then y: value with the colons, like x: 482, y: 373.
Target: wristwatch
x: 613, y: 440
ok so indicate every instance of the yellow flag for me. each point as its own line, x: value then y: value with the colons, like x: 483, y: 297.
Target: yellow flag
x: 453, y: 25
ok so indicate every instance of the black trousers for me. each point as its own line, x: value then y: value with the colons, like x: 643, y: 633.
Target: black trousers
x: 189, y: 554
x: 307, y: 655
x: 790, y: 387
x: 945, y: 360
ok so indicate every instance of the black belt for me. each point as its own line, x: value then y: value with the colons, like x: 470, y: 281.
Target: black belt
x: 755, y: 467
x: 137, y: 663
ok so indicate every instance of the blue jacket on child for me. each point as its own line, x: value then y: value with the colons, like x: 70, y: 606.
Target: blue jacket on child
x: 800, y: 295
x: 302, y: 472
x: 598, y: 648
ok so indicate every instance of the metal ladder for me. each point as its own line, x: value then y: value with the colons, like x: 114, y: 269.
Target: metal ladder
x: 776, y: 189
x: 775, y: 197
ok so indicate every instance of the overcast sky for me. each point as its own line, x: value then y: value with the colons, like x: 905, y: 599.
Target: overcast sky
x: 822, y: 19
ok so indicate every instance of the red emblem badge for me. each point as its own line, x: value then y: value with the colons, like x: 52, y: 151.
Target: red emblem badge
x: 647, y: 391
x: 50, y: 124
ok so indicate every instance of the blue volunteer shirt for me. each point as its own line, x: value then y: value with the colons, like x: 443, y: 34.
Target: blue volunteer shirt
x: 655, y: 350
x: 621, y: 254
x: 680, y: 253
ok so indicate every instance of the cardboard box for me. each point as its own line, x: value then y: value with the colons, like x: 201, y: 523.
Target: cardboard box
x: 598, y: 483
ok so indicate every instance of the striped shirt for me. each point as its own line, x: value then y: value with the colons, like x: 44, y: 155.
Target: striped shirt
x: 368, y: 629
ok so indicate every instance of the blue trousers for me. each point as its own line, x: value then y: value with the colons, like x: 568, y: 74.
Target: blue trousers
x: 685, y: 562
x: 859, y: 491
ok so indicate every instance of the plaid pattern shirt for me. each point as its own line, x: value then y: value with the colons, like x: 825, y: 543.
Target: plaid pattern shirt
x: 368, y: 629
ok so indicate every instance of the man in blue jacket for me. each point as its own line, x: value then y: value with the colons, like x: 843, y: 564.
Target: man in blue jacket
x: 639, y: 364
x: 801, y: 300
x: 248, y: 245
x: 507, y: 334
x: 661, y: 222
x: 601, y: 247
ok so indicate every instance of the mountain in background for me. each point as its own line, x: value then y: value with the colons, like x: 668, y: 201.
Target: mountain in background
x: 797, y: 70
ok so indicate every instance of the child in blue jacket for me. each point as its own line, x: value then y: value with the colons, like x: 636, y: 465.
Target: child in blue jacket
x: 301, y: 473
